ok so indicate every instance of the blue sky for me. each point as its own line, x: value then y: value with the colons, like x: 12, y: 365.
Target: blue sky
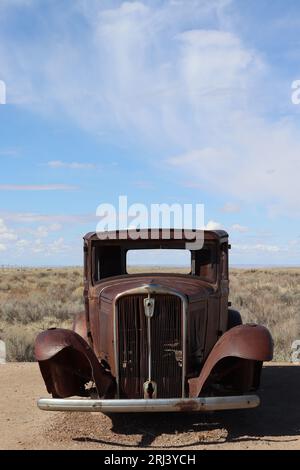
x: 163, y: 101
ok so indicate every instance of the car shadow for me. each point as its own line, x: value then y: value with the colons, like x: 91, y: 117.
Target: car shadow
x: 277, y: 416
x: 279, y: 412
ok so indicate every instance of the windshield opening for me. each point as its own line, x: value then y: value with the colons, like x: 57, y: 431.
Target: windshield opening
x: 116, y: 260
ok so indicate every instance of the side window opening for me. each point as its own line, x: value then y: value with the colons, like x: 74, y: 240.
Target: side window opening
x: 204, y: 262
x: 224, y: 261
x: 85, y: 261
x: 107, y: 262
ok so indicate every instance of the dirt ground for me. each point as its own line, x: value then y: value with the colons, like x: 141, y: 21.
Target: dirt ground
x: 274, y: 425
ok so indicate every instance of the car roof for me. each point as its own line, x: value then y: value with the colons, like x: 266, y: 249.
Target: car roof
x: 144, y: 235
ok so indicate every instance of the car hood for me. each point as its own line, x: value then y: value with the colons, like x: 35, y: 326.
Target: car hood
x: 192, y: 287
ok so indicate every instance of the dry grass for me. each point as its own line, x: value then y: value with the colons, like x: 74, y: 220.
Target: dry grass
x: 270, y: 297
x: 32, y: 300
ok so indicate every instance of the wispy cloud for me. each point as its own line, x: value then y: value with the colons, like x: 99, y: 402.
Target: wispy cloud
x: 144, y: 184
x: 71, y: 165
x: 180, y: 77
x: 9, y: 152
x: 42, y: 231
x: 230, y: 208
x: 6, y: 234
x: 239, y: 228
x: 41, y: 247
x: 33, y: 217
x: 258, y: 247
x: 57, y: 246
x: 213, y: 225
x: 38, y: 187
x: 17, y: 241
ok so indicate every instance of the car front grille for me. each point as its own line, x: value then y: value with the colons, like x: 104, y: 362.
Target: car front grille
x: 166, y: 345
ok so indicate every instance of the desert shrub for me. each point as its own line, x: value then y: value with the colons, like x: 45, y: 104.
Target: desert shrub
x: 27, y: 312
x: 19, y: 344
x: 35, y: 299
x: 29, y: 296
x: 271, y: 298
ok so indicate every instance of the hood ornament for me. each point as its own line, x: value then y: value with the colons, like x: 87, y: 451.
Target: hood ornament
x: 149, y: 304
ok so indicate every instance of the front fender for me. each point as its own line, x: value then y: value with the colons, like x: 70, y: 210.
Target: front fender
x: 253, y: 342
x: 67, y: 363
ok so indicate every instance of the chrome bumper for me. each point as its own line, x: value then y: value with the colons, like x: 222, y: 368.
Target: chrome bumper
x: 158, y: 405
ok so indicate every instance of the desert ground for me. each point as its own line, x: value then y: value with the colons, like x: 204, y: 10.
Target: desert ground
x: 273, y: 425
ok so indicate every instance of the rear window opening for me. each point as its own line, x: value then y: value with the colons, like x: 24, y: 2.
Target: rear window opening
x: 158, y: 260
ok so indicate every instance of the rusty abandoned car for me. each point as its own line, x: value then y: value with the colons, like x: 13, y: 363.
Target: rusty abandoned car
x: 157, y: 341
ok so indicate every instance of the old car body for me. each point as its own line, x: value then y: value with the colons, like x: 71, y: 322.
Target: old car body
x: 154, y: 341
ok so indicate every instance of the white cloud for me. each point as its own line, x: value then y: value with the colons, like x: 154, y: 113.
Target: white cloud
x: 40, y: 187
x: 55, y: 247
x: 44, y: 230
x: 29, y: 243
x: 169, y: 74
x: 72, y: 165
x: 6, y: 234
x: 212, y: 225
x: 54, y: 219
x: 148, y: 70
x: 58, y: 246
x: 22, y: 244
x: 239, y: 228
x: 257, y: 247
x: 20, y: 240
x: 38, y: 246
x: 230, y: 208
x: 9, y: 152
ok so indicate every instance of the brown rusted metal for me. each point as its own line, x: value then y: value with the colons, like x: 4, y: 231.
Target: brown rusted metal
x: 251, y: 342
x: 67, y: 363
x: 192, y: 345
